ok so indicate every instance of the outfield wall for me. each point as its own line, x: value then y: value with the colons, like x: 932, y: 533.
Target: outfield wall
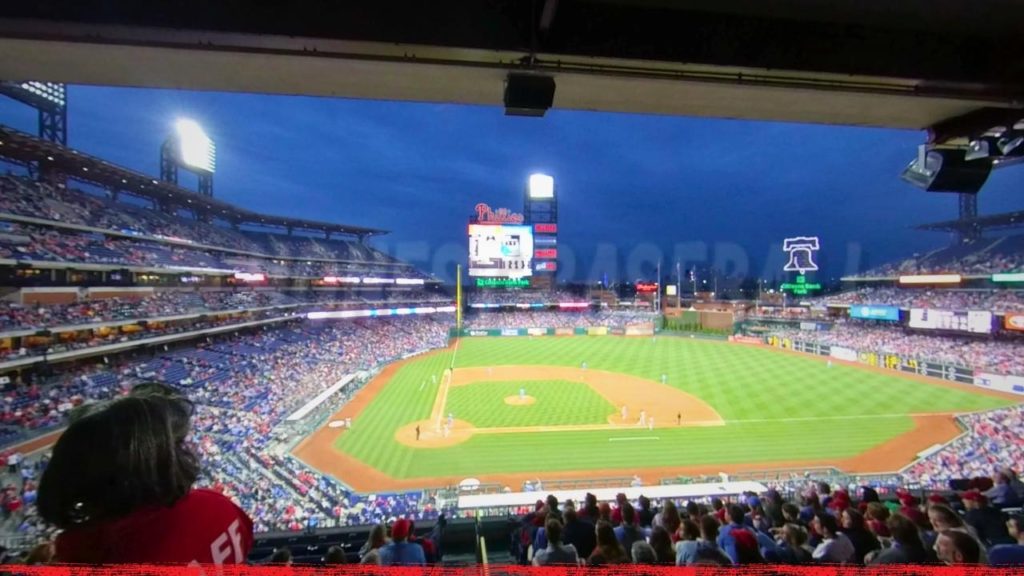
x: 907, y: 364
x: 630, y: 330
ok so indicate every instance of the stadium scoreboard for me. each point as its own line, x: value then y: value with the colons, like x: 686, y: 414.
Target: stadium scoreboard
x: 500, y: 250
x: 973, y: 321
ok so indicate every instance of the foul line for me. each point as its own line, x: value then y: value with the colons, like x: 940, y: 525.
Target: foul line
x: 629, y: 439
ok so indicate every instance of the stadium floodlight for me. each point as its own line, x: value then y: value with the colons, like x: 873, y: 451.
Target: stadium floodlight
x: 195, y: 149
x: 946, y: 170
x: 977, y: 150
x: 52, y: 92
x: 542, y: 186
x: 1008, y: 145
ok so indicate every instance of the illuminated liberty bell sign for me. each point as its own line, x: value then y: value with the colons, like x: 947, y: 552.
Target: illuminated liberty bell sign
x: 801, y: 259
x: 801, y: 253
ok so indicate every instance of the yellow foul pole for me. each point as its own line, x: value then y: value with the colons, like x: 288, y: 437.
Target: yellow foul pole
x: 458, y: 296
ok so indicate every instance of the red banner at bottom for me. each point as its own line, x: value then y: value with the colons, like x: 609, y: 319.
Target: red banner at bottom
x: 510, y: 570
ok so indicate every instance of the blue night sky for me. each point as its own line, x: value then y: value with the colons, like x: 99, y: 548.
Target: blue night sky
x: 632, y: 189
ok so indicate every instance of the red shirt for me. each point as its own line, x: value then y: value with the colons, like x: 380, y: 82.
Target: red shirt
x: 203, y: 527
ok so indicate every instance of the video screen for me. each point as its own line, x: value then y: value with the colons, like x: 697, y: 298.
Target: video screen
x: 500, y: 250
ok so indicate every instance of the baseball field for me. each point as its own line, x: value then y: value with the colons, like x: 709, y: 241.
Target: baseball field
x: 513, y: 409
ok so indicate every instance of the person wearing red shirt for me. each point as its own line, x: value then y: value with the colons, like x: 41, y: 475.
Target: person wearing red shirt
x: 119, y: 485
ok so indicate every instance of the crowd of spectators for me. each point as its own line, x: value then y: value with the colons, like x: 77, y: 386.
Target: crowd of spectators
x: 25, y: 197
x: 167, y: 303
x: 997, y: 301
x: 243, y: 386
x: 822, y: 524
x: 992, y: 441
x: 981, y: 257
x: 198, y: 310
x: 563, y: 319
x: 32, y: 242
x: 524, y: 297
x: 1002, y: 356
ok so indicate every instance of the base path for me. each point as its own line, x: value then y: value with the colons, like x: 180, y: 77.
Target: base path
x: 638, y: 404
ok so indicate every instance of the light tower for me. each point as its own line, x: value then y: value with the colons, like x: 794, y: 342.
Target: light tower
x: 540, y: 210
x: 191, y: 149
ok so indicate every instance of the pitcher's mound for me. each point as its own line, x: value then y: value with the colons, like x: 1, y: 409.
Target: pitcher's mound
x: 519, y: 401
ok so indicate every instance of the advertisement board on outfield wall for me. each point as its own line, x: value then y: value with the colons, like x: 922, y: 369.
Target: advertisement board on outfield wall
x: 960, y: 374
x: 1011, y: 384
x: 640, y: 330
x: 888, y: 313
x: 580, y: 331
x: 840, y: 353
x: 1013, y: 322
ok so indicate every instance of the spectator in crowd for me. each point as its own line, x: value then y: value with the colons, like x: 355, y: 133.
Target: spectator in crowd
x: 281, y: 557
x: 556, y: 552
x: 375, y: 540
x: 628, y: 532
x: 119, y: 485
x: 1010, y: 554
x: 956, y: 547
x: 642, y: 553
x: 668, y: 518
x: 608, y: 549
x: 401, y: 552
x: 863, y: 540
x: 986, y: 521
x: 945, y: 519
x: 907, y: 545
x: 835, y: 547
x: 1003, y: 493
x: 661, y: 542
x: 793, y: 548
x: 644, y: 514
x: 579, y: 534
x: 725, y: 538
x: 335, y: 556
x: 747, y: 549
x: 876, y: 515
x: 686, y: 548
x: 591, y: 513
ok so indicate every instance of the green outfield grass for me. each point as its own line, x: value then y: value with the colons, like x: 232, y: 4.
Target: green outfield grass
x: 558, y: 402
x: 777, y: 407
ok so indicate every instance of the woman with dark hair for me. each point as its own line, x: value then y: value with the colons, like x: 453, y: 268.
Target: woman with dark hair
x: 590, y: 510
x: 662, y: 544
x: 119, y: 485
x: 863, y: 540
x: 669, y: 519
x: 835, y: 547
x: 281, y: 557
x: 686, y: 548
x: 644, y: 514
x: 335, y: 556
x: 608, y: 550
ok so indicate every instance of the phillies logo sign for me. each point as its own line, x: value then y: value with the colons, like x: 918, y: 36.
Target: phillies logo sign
x: 485, y: 215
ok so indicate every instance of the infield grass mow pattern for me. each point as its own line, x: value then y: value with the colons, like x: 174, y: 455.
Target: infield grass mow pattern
x: 777, y: 407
